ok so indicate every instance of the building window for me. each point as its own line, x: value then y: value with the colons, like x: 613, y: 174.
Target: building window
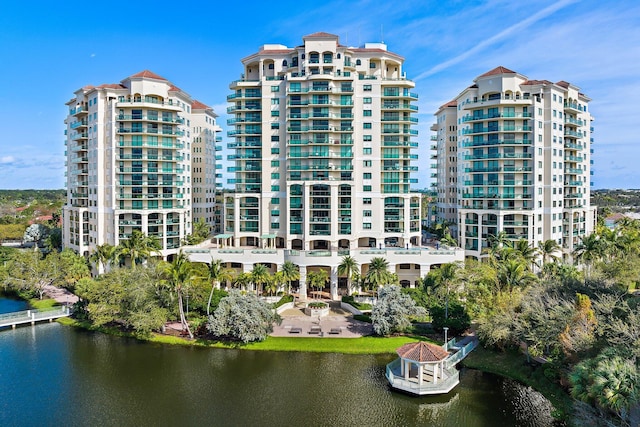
x: 366, y: 188
x: 366, y: 175
x: 366, y: 113
x: 275, y: 138
x: 275, y: 88
x: 366, y: 150
x: 372, y: 65
x: 366, y: 125
x: 275, y: 163
x: 366, y: 225
x: 275, y: 150
x: 366, y: 163
x: 275, y: 200
x: 275, y: 175
x: 366, y: 88
x: 275, y: 101
x: 275, y: 125
x: 366, y: 201
x: 275, y: 225
x: 275, y: 113
x: 366, y: 213
x: 275, y: 188
x: 366, y: 137
x: 366, y: 100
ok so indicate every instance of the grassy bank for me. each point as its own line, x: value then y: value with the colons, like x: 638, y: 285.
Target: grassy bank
x: 512, y: 365
x: 364, y: 345
x: 43, y: 304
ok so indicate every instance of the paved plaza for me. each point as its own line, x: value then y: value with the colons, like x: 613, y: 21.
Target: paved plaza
x: 337, y: 324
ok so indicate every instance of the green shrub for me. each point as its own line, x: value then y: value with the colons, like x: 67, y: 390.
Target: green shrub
x: 285, y: 299
x: 362, y: 317
x: 458, y: 320
x: 347, y: 299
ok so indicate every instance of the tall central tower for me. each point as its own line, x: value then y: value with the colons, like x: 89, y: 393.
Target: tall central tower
x: 323, y: 149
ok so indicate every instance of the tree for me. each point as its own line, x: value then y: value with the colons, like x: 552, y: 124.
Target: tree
x: 138, y: 247
x: 607, y: 381
x: 103, y: 255
x: 35, y: 233
x: 242, y: 280
x: 513, y: 273
x: 31, y: 272
x: 242, y: 317
x: 259, y: 277
x: 216, y: 274
x: 274, y: 283
x: 290, y: 272
x: 200, y: 232
x: 548, y: 250
x: 524, y: 250
x: 589, y: 250
x: 378, y: 274
x: 393, y: 311
x: 448, y: 240
x: 178, y: 274
x: 318, y: 279
x: 347, y: 267
x: 53, y: 241
x: 444, y: 278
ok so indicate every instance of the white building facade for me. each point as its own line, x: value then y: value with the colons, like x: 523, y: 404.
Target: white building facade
x: 523, y: 161
x: 324, y: 161
x: 129, y: 163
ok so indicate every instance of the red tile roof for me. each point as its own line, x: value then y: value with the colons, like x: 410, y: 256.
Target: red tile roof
x: 498, y: 70
x: 537, y: 82
x: 422, y: 352
x: 563, y: 84
x: 175, y: 88
x: 197, y: 105
x: 320, y: 34
x: 111, y: 86
x: 148, y: 74
x: 453, y: 103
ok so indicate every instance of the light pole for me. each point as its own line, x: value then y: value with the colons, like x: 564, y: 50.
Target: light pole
x: 445, y: 337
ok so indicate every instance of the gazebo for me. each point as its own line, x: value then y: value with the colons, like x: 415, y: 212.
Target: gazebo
x: 421, y: 369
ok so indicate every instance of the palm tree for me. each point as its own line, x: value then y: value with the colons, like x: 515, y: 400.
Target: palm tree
x: 449, y: 240
x: 318, y: 279
x: 290, y: 272
x: 216, y: 274
x: 273, y: 284
x: 347, y: 267
x: 259, y: 276
x: 514, y: 273
x: 527, y: 252
x: 548, y: 250
x: 138, y: 247
x: 447, y: 275
x: 103, y: 255
x: 378, y: 274
x: 242, y: 280
x: 179, y: 273
x: 589, y: 250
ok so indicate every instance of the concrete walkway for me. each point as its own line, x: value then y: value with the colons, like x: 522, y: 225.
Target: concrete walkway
x: 61, y: 295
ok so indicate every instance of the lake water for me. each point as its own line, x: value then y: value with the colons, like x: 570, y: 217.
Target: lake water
x: 56, y: 375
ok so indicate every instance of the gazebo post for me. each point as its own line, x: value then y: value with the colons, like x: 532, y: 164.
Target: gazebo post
x: 407, y: 369
x: 420, y: 373
x: 435, y: 373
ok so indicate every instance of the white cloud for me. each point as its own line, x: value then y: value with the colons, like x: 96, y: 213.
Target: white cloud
x: 7, y: 159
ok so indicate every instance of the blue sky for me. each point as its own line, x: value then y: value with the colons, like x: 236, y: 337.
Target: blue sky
x: 49, y: 49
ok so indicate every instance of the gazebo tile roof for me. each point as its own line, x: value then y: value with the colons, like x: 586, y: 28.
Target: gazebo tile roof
x: 422, y: 352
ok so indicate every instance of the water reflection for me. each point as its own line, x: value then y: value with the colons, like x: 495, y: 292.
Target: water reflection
x: 83, y: 378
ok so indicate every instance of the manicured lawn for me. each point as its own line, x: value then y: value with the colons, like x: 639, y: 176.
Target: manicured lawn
x: 512, y: 365
x: 43, y: 304
x: 364, y: 345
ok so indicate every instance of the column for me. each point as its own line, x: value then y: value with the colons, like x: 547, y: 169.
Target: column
x: 334, y: 283
x: 392, y: 268
x: 407, y: 369
x: 302, y: 291
x: 424, y: 270
x: 420, y: 372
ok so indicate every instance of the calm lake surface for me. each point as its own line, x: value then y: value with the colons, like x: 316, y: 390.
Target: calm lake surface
x: 53, y: 375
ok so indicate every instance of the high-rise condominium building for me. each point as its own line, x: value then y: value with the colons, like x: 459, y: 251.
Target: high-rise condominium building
x: 324, y: 162
x: 135, y: 150
x: 513, y: 155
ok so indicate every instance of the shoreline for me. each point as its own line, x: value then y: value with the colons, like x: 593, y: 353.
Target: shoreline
x: 506, y: 365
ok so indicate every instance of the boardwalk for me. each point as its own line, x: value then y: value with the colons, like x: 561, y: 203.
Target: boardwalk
x: 32, y: 316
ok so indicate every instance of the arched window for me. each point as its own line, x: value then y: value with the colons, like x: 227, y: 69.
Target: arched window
x: 358, y: 62
x: 284, y: 63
